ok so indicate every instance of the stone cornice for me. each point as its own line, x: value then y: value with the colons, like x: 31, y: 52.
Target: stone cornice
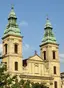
x: 32, y: 77
x: 7, y: 55
x: 11, y: 35
x: 36, y: 77
x: 48, y: 43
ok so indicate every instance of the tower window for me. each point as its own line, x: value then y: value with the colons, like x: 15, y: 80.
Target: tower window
x: 16, y: 66
x: 5, y: 48
x: 44, y: 54
x: 54, y: 56
x: 16, y: 48
x: 54, y: 69
x: 55, y: 84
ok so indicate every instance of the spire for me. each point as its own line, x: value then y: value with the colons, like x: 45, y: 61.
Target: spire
x: 12, y: 13
x: 48, y: 24
x: 12, y: 26
x: 48, y: 34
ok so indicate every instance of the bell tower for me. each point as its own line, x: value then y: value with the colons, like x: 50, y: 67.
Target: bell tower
x: 12, y: 45
x: 50, y: 54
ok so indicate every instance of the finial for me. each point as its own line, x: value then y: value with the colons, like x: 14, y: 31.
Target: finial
x: 12, y: 7
x: 35, y: 52
x: 47, y: 17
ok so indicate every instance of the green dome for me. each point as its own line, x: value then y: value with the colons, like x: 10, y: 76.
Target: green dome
x: 13, y: 31
x: 12, y: 27
x: 48, y: 34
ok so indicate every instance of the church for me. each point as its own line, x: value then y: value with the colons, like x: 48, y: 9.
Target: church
x: 43, y: 68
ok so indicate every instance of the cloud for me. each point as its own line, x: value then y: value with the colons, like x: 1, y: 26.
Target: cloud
x: 27, y: 50
x: 1, y: 47
x: 23, y: 23
x: 61, y: 57
x: 61, y: 60
x: 27, y: 47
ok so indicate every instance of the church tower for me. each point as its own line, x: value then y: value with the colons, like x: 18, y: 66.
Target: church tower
x: 12, y: 45
x: 50, y: 54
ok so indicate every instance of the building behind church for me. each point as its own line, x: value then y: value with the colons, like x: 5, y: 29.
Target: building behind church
x: 43, y: 68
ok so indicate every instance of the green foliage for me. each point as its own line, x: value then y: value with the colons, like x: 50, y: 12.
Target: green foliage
x: 5, y: 78
x: 27, y: 84
x: 37, y: 85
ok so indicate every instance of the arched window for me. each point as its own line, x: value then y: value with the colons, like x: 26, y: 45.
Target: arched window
x: 16, y: 48
x: 5, y: 48
x: 16, y: 66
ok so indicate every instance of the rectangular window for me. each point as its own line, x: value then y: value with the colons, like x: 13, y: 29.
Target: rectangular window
x: 5, y: 48
x: 54, y: 69
x: 54, y: 56
x: 16, y: 66
x: 55, y: 84
x: 44, y: 52
x: 16, y: 48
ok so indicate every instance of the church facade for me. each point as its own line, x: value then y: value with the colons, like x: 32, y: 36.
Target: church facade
x: 43, y: 68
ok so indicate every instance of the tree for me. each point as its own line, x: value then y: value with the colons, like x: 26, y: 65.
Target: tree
x: 27, y: 84
x: 21, y: 84
x: 37, y: 85
x: 5, y: 78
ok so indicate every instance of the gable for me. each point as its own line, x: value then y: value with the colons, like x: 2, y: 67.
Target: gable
x: 36, y: 58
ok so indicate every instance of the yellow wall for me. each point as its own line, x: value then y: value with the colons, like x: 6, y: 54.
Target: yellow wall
x: 11, y: 57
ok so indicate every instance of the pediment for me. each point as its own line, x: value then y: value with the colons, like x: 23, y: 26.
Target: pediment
x: 35, y: 57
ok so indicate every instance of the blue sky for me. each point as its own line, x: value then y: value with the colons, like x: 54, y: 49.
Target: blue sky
x: 31, y: 16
